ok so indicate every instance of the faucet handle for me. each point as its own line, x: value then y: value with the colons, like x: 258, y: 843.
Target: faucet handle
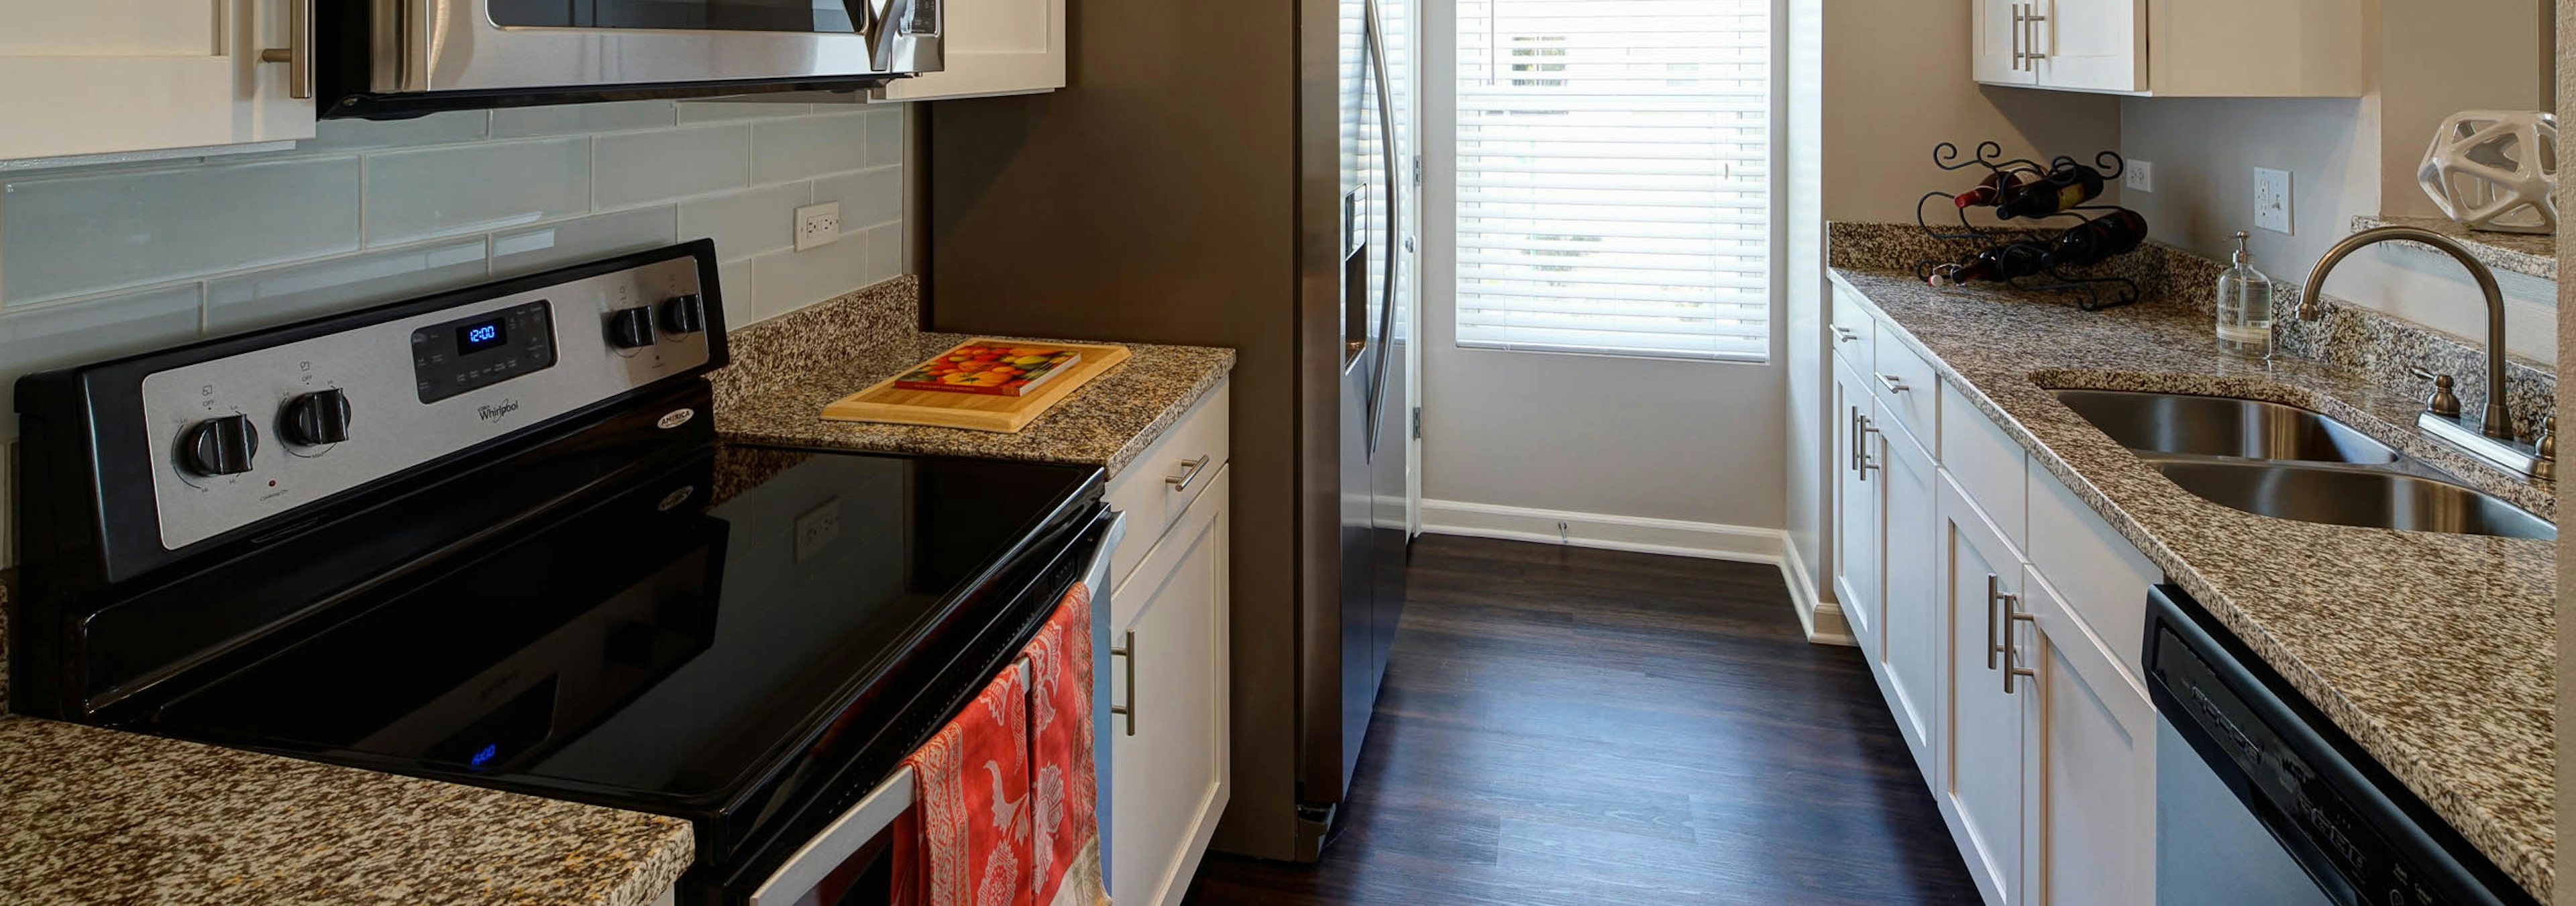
x: 2545, y: 444
x: 2443, y: 402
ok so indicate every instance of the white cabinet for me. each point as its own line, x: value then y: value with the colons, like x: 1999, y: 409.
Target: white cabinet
x: 1855, y: 535
x: 2089, y: 770
x: 2172, y: 48
x: 1170, y: 749
x: 1980, y: 765
x: 1908, y: 653
x: 993, y: 47
x: 114, y: 77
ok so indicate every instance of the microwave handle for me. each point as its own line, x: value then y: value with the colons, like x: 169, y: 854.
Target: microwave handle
x: 879, y: 32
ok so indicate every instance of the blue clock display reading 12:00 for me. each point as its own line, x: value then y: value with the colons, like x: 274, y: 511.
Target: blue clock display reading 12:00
x: 479, y: 336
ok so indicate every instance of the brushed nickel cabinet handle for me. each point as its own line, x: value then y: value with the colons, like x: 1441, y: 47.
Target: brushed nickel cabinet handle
x: 1845, y: 334
x: 1127, y: 710
x: 1893, y: 384
x: 2016, y: 37
x: 1190, y: 469
x: 1994, y: 595
x: 298, y: 52
x: 2031, y: 21
x: 2012, y: 649
x: 1860, y: 445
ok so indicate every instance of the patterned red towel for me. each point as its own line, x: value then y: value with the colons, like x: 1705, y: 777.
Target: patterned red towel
x: 1066, y: 791
x: 1005, y: 797
x: 971, y: 806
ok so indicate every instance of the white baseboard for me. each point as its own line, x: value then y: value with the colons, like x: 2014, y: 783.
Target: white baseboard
x: 1822, y: 620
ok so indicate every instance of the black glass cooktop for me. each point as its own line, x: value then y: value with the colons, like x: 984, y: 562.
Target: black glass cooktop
x: 686, y: 643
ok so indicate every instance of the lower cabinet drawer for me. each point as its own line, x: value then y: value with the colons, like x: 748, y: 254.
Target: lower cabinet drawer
x: 1987, y: 464
x: 1157, y: 487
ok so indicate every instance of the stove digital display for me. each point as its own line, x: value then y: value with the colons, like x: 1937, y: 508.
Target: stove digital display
x: 481, y: 335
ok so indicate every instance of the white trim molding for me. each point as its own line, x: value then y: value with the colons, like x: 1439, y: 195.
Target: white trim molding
x: 1822, y: 620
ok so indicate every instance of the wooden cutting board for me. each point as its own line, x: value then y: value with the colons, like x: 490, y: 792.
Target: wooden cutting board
x: 884, y: 402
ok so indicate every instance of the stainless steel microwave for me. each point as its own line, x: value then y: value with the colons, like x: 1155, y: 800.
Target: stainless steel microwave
x: 394, y: 58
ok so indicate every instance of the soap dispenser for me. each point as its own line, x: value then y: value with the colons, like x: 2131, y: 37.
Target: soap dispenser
x: 2245, y: 306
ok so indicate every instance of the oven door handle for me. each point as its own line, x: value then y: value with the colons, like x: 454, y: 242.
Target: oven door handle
x: 1096, y: 575
x: 836, y: 844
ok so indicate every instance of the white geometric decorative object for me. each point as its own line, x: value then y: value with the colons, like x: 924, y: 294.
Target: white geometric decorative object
x: 2495, y: 170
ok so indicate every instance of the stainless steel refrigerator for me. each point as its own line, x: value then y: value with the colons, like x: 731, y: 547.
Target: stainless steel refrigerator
x: 1238, y: 174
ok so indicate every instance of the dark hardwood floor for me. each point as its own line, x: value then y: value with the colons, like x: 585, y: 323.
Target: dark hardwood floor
x: 1570, y: 726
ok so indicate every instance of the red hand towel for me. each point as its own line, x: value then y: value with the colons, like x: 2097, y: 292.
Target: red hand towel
x: 1064, y: 790
x: 971, y: 806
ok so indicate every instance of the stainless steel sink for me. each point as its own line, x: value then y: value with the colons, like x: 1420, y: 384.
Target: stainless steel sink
x: 2221, y: 426
x: 2352, y: 496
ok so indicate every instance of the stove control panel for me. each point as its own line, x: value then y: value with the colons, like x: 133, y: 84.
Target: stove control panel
x: 261, y: 431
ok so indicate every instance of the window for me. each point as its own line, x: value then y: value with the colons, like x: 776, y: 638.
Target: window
x: 1614, y: 177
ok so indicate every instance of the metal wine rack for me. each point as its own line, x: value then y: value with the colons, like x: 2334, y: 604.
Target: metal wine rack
x: 2095, y: 292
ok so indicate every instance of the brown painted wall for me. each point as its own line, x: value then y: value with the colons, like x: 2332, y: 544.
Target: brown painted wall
x: 1154, y: 199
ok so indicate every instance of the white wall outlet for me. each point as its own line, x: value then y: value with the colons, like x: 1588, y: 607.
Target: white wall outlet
x: 818, y: 225
x: 2140, y: 175
x: 2272, y: 200
x: 817, y: 529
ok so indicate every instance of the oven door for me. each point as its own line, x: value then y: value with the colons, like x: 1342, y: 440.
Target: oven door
x: 432, y: 54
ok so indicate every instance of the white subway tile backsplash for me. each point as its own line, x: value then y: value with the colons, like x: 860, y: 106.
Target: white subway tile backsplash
x: 76, y: 333
x: 455, y: 189
x: 520, y: 122
x: 885, y: 137
x: 791, y: 280
x: 276, y: 296
x: 571, y: 241
x: 639, y: 167
x: 715, y: 111
x: 434, y: 129
x: 746, y: 223
x: 809, y: 146
x: 733, y: 281
x: 86, y: 234
x: 868, y: 197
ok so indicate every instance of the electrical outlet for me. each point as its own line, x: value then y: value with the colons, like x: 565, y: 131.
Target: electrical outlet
x: 818, y: 225
x: 2140, y: 175
x: 2272, y: 200
x: 817, y: 529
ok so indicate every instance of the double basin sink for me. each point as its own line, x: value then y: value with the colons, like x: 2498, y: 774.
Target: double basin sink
x: 2290, y: 463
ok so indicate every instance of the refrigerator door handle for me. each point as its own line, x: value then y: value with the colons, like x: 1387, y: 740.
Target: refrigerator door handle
x: 1383, y: 336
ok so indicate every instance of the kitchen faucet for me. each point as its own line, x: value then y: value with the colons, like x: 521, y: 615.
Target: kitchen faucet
x: 2494, y: 439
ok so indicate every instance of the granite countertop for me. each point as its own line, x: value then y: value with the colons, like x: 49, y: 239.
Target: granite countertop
x: 90, y: 815
x: 788, y: 368
x: 2433, y: 651
x: 2535, y: 254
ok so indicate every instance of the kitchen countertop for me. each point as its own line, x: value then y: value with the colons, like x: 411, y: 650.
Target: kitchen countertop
x: 2433, y: 651
x: 91, y: 815
x: 788, y: 368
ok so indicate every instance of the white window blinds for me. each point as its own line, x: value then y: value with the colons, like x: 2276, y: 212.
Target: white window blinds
x: 1614, y: 177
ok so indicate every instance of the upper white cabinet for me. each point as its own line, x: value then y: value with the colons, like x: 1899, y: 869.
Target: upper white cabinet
x: 111, y: 77
x: 2172, y: 48
x: 993, y: 47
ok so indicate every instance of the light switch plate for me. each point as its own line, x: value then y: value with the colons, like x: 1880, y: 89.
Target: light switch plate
x: 2272, y: 200
x: 818, y: 225
x: 2139, y: 175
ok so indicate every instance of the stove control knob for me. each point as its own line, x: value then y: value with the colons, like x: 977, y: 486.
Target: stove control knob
x: 631, y: 328
x: 317, y: 418
x: 684, y: 314
x: 219, y: 446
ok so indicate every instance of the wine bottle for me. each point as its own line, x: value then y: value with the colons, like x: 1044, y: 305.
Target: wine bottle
x: 2069, y: 185
x: 2114, y: 233
x: 2004, y: 262
x: 2001, y: 185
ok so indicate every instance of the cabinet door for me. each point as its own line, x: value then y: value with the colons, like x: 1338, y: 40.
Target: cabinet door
x: 119, y: 76
x: 1170, y: 752
x: 2096, y: 45
x: 1997, y: 32
x: 2089, y: 796
x: 992, y: 47
x: 1909, y: 653
x: 1855, y: 533
x: 1981, y: 739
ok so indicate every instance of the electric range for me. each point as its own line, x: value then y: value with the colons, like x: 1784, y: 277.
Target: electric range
x: 491, y: 537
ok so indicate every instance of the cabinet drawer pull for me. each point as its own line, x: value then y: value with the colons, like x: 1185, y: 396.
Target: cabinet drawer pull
x: 1190, y: 469
x: 1994, y: 595
x: 2012, y: 649
x: 1860, y: 446
x: 2016, y: 37
x: 298, y: 52
x: 1845, y: 334
x: 1127, y: 710
x: 2031, y: 21
x: 1893, y: 384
